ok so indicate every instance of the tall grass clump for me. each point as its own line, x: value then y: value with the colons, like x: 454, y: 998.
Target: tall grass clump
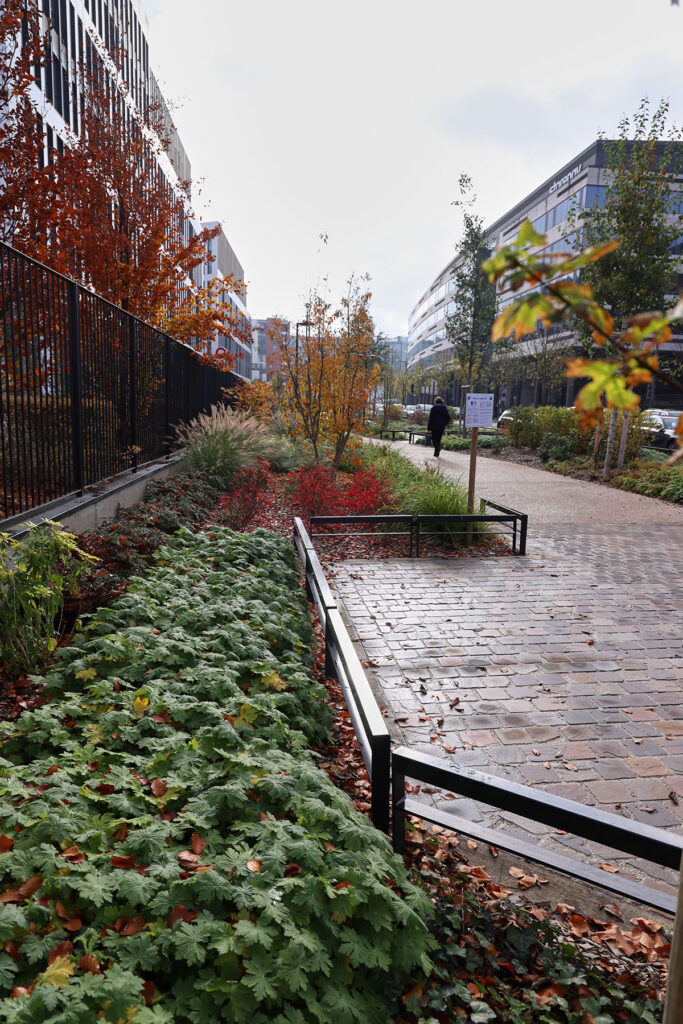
x: 415, y: 491
x: 224, y: 441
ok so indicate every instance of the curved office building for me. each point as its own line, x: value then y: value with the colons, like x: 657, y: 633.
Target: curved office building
x: 580, y: 183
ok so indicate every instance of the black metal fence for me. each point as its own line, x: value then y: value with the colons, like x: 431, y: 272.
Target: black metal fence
x: 388, y: 771
x: 86, y: 390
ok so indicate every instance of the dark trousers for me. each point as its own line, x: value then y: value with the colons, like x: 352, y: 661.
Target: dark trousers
x: 436, y: 440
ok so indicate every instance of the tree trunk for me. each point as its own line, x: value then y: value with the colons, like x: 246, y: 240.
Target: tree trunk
x: 610, y: 442
x: 596, y: 446
x: 622, y: 441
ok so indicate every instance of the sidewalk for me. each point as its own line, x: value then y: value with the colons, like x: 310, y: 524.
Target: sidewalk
x: 561, y: 670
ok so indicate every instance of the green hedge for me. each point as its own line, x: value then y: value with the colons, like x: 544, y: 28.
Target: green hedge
x: 171, y: 851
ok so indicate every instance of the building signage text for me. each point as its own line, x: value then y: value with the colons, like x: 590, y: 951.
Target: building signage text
x: 566, y: 179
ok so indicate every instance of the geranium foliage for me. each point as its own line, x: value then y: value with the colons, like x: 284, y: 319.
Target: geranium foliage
x: 170, y: 851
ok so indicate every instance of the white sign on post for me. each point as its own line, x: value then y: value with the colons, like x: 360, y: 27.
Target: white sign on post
x: 479, y: 411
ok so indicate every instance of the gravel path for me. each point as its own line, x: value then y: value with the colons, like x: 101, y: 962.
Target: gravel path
x: 548, y: 497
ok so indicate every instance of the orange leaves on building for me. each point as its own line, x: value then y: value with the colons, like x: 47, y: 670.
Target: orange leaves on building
x: 109, y: 210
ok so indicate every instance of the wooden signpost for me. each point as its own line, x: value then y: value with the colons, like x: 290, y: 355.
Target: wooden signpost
x: 478, y: 413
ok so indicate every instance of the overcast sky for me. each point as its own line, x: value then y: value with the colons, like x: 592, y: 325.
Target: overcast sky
x: 354, y: 120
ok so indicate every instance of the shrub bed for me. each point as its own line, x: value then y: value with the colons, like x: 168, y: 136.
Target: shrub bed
x: 656, y: 481
x: 170, y: 852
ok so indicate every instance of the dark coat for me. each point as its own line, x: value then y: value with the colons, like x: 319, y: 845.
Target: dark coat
x: 439, y: 418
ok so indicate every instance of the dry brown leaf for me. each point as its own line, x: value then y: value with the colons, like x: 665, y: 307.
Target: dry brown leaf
x: 254, y: 865
x: 609, y: 867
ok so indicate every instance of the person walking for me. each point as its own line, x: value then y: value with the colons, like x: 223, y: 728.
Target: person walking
x: 439, y: 418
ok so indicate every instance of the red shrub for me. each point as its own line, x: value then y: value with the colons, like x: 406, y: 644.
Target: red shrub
x: 317, y: 491
x: 248, y: 490
x: 366, y: 494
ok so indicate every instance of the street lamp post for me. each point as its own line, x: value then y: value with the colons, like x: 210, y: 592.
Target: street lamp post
x: 301, y: 323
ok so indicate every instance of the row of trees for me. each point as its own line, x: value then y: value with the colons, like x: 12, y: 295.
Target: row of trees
x: 105, y: 207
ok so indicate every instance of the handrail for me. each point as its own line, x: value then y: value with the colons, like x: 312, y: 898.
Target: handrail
x: 619, y: 833
x: 342, y: 662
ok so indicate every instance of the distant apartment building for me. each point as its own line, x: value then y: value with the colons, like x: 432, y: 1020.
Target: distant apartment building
x: 398, y: 351
x: 579, y: 184
x: 220, y: 264
x: 267, y: 363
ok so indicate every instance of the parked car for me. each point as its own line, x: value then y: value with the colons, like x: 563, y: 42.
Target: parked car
x: 660, y: 427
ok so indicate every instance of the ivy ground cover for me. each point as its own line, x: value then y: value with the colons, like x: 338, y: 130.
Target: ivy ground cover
x: 170, y: 851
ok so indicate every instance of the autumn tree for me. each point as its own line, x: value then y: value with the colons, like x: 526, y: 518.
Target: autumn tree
x: 110, y: 213
x: 468, y: 328
x: 330, y: 371
x: 22, y: 54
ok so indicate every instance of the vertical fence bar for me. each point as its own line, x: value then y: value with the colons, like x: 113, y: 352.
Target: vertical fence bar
x: 380, y: 782
x: 76, y: 391
x: 398, y: 817
x: 133, y: 385
x: 522, y: 534
x: 167, y: 396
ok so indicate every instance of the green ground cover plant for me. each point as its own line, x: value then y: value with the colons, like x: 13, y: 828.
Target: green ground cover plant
x: 125, y: 544
x: 170, y: 852
x: 488, y: 442
x: 657, y: 481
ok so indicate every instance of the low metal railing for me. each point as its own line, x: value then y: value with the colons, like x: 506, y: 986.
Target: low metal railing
x: 343, y: 664
x: 509, y: 520
x: 381, y: 521
x: 612, y: 830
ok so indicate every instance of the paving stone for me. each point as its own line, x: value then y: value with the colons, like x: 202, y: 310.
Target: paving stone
x: 647, y: 766
x: 609, y: 792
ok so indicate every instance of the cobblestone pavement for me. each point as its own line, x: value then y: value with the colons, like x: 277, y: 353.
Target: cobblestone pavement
x: 563, y: 670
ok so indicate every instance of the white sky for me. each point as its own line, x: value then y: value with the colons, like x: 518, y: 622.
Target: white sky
x: 355, y: 119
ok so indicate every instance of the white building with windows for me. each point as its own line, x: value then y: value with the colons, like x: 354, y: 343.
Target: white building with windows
x: 577, y: 185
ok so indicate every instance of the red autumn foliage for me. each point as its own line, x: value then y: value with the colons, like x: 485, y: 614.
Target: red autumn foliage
x: 319, y: 490
x: 248, y: 492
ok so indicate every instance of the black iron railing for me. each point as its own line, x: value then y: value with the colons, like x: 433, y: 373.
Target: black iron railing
x: 611, y: 830
x: 506, y: 520
x: 86, y: 390
x: 342, y: 663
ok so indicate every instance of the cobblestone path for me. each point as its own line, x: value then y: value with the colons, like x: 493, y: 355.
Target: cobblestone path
x: 563, y: 670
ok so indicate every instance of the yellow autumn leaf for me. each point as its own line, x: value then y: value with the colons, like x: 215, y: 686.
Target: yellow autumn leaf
x: 58, y: 973
x: 274, y: 681
x: 86, y: 674
x: 140, y: 705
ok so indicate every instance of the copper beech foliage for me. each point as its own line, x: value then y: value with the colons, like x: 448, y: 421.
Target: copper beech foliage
x: 22, y: 52
x: 108, y: 211
x: 330, y: 371
x: 549, y: 293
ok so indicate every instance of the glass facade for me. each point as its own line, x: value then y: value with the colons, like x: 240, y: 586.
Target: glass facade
x: 578, y: 186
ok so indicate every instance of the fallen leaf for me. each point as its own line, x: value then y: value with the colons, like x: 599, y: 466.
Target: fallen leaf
x: 516, y: 872
x: 673, y: 797
x: 536, y: 753
x: 158, y: 787
x: 570, y: 767
x: 198, y: 844
x: 133, y: 925
x: 255, y: 866
x: 609, y: 867
x: 89, y: 964
x: 472, y: 845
